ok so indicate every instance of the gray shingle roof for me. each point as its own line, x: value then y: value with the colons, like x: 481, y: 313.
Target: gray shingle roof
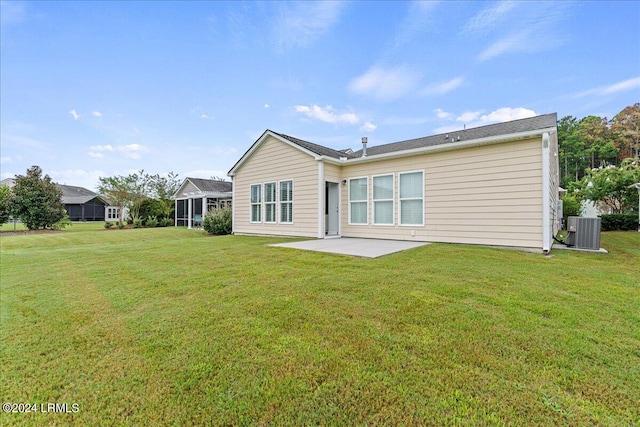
x: 210, y: 185
x: 315, y: 148
x: 516, y: 126
x: 72, y: 195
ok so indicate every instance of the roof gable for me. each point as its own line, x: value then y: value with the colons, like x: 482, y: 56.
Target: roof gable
x: 205, y: 186
x: 72, y: 195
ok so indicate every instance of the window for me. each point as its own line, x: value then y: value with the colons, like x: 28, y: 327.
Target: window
x: 112, y: 214
x: 270, y: 202
x: 411, y: 198
x: 383, y: 200
x: 358, y: 206
x: 256, y: 214
x: 286, y: 201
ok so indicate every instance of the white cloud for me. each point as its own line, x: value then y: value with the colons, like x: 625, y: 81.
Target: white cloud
x: 368, y: 127
x: 489, y: 18
x: 327, y: 114
x: 468, y: 116
x: 441, y: 114
x: 82, y: 178
x: 444, y: 87
x: 74, y: 114
x: 298, y: 24
x: 204, y: 116
x: 473, y: 119
x: 622, y: 86
x: 418, y: 20
x: 96, y: 114
x: 520, y: 27
x: 266, y: 105
x: 130, y: 151
x: 507, y: 114
x: 385, y: 84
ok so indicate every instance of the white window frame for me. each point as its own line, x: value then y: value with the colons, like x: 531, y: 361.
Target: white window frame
x: 273, y: 204
x: 258, y: 203
x: 284, y: 202
x: 366, y: 200
x: 400, y: 200
x: 112, y: 214
x: 374, y: 200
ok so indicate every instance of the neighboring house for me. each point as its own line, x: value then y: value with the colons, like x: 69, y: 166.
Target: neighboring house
x: 81, y: 204
x: 491, y: 185
x: 197, y: 196
x: 84, y: 205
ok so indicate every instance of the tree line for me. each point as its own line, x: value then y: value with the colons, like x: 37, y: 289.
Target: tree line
x: 595, y: 142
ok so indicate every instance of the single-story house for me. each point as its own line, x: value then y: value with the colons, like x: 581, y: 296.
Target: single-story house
x: 84, y: 205
x: 490, y: 185
x: 81, y: 204
x: 196, y: 196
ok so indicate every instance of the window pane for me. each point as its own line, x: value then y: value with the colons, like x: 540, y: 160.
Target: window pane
x: 286, y: 212
x: 358, y: 189
x: 270, y: 212
x: 270, y: 192
x: 255, y: 213
x: 411, y: 212
x: 383, y: 187
x: 286, y: 191
x: 358, y: 212
x: 411, y: 185
x: 255, y: 194
x: 383, y: 212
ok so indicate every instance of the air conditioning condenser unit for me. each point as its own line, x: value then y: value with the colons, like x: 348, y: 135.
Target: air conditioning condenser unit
x: 584, y: 233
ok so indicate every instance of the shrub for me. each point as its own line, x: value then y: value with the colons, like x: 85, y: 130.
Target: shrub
x: 121, y: 225
x: 152, y: 221
x: 570, y: 207
x: 150, y: 208
x: 218, y: 221
x: 166, y: 222
x: 108, y: 225
x: 137, y: 223
x: 36, y: 200
x: 619, y: 222
x: 62, y: 223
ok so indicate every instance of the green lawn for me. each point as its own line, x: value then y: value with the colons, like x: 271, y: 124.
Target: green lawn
x: 172, y: 327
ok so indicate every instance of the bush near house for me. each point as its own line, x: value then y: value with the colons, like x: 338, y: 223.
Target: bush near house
x: 218, y: 221
x: 620, y: 222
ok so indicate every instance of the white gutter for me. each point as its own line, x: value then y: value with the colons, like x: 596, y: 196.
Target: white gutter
x: 546, y: 182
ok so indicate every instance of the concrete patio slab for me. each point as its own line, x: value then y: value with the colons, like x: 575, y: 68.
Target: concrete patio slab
x: 367, y: 248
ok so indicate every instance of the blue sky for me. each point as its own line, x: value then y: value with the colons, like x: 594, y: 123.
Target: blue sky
x: 93, y: 89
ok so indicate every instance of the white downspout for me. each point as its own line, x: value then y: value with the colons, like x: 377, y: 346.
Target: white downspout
x: 546, y: 183
x: 321, y: 192
x: 233, y: 205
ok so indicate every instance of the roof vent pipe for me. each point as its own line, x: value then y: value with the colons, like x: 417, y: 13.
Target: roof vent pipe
x: 364, y: 146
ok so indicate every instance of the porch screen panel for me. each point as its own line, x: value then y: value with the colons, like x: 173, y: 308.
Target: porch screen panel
x: 383, y: 200
x: 286, y: 201
x: 358, y: 201
x: 412, y: 198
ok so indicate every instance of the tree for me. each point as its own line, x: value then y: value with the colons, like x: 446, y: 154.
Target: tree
x: 6, y: 196
x: 37, y: 201
x: 592, y: 131
x: 163, y: 188
x: 571, y: 150
x: 126, y: 192
x: 625, y: 129
x: 611, y: 186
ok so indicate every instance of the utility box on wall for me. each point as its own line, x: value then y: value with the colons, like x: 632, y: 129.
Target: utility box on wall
x: 584, y: 233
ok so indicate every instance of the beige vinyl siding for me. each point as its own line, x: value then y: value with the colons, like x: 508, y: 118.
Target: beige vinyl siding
x: 482, y: 195
x: 276, y: 161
